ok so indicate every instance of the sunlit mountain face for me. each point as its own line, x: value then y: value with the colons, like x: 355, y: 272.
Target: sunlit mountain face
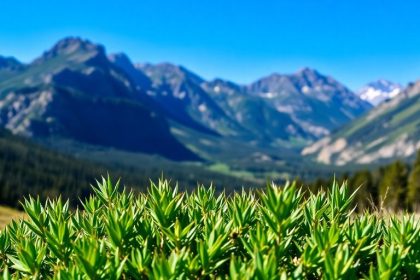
x: 77, y: 91
x: 389, y: 131
x: 73, y: 91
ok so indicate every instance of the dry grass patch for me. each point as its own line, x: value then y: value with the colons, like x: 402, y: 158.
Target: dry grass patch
x: 8, y: 214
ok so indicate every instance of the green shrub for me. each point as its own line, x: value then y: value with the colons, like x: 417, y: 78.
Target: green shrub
x: 275, y: 233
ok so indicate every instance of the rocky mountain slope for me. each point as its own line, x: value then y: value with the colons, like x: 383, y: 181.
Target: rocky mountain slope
x: 254, y: 114
x: 391, y: 130
x: 318, y: 103
x: 278, y: 107
x: 74, y: 91
x: 179, y: 92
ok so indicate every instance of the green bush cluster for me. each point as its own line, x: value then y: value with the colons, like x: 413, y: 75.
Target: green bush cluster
x: 273, y: 233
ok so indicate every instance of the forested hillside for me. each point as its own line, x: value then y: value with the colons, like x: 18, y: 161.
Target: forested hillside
x: 27, y: 168
x: 390, y: 131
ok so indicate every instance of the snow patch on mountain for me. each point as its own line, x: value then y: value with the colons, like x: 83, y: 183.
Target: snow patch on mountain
x: 379, y: 91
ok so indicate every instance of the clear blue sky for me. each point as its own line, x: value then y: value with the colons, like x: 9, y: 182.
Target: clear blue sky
x: 353, y: 40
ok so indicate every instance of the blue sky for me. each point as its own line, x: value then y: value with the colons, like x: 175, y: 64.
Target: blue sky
x: 354, y: 41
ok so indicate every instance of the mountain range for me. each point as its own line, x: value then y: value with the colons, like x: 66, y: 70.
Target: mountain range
x: 272, y: 108
x: 76, y: 91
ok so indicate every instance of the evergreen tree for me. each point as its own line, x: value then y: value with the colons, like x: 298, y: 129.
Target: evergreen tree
x: 393, y: 186
x: 413, y: 194
x: 366, y: 193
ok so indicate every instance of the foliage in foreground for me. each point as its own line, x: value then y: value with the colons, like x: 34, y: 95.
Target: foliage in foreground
x: 274, y: 233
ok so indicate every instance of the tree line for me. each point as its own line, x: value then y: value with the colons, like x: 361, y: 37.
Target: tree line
x: 27, y: 169
x: 395, y: 186
x: 30, y: 169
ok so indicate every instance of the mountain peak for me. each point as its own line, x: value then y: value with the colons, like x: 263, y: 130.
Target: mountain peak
x: 309, y: 74
x: 307, y: 70
x: 71, y: 45
x: 378, y: 91
x: 120, y: 59
x: 169, y: 71
x: 10, y: 63
x: 383, y: 83
x: 219, y: 85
